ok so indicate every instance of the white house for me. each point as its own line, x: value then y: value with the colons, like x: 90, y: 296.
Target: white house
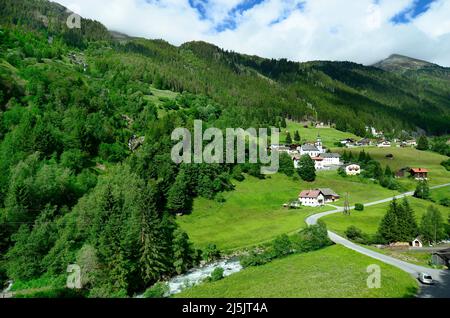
x: 385, y: 144
x: 331, y: 159
x: 417, y: 243
x: 318, y: 163
x: 353, y: 170
x: 312, y: 198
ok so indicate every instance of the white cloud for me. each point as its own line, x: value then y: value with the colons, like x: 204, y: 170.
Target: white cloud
x: 359, y: 31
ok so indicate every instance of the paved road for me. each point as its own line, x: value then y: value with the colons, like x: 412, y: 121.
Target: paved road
x: 442, y: 287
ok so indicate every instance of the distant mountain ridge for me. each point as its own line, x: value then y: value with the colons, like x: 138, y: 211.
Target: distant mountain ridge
x: 394, y: 94
x: 397, y: 62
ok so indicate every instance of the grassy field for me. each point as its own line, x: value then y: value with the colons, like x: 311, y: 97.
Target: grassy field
x: 410, y: 157
x: 369, y: 219
x: 155, y: 98
x: 439, y: 194
x: 253, y: 212
x: 329, y: 135
x: 334, y: 272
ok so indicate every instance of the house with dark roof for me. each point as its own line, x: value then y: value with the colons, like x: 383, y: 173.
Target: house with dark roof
x: 441, y: 257
x: 419, y: 173
x: 329, y: 195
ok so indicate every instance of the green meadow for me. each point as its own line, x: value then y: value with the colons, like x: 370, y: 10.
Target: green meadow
x: 329, y: 135
x: 334, y: 272
x: 253, y: 213
x: 412, y: 158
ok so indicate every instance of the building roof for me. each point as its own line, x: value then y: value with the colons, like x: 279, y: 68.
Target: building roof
x: 317, y: 159
x: 328, y: 192
x: 309, y: 148
x: 310, y: 194
x: 419, y: 170
x: 330, y: 155
x: 443, y: 253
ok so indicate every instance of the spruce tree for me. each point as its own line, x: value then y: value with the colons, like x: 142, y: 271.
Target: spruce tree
x: 423, y: 144
x: 288, y: 138
x: 154, y: 250
x: 432, y: 226
x: 408, y: 221
x: 307, y: 170
x: 422, y: 190
x: 183, y: 254
x: 388, y: 228
x: 388, y: 172
x: 297, y: 136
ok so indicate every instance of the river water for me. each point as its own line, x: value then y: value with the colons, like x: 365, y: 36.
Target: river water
x: 196, y: 275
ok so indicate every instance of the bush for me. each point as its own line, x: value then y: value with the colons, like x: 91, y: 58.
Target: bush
x: 355, y: 234
x: 445, y: 202
x: 255, y: 259
x: 282, y: 246
x: 220, y: 198
x: 217, y: 274
x: 211, y: 253
x: 359, y: 207
x: 446, y: 164
x: 352, y: 233
x: 312, y: 238
x: 159, y: 290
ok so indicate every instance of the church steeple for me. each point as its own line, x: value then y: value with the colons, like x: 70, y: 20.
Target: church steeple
x: 319, y: 144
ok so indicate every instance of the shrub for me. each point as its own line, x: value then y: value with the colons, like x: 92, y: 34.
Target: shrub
x: 359, y: 207
x: 352, y: 233
x: 355, y: 234
x: 220, y: 198
x: 255, y: 259
x: 446, y: 164
x: 211, y: 253
x: 159, y: 290
x: 445, y: 202
x: 312, y: 238
x: 282, y: 246
x: 217, y: 274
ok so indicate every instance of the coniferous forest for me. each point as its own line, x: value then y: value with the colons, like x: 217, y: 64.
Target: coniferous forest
x: 72, y: 189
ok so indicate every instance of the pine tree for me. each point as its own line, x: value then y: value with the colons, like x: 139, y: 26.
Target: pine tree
x: 297, y: 136
x: 178, y: 199
x: 154, y: 246
x: 283, y: 123
x: 183, y: 254
x: 307, y: 170
x: 288, y: 138
x: 408, y: 222
x: 388, y: 172
x: 362, y: 157
x: 388, y: 228
x: 432, y: 225
x: 422, y: 190
x: 345, y: 157
x: 286, y: 165
x: 423, y: 144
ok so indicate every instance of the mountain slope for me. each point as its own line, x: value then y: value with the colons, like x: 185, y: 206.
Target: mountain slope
x: 257, y: 92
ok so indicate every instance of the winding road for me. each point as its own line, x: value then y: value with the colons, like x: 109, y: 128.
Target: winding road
x: 441, y: 289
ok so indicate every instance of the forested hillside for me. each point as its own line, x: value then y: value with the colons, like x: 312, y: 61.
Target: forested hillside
x: 80, y: 184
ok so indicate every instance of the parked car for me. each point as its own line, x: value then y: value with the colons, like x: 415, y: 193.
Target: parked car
x: 426, y: 279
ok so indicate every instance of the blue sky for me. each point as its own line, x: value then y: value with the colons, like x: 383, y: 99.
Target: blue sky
x: 419, y: 7
x: 362, y: 31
